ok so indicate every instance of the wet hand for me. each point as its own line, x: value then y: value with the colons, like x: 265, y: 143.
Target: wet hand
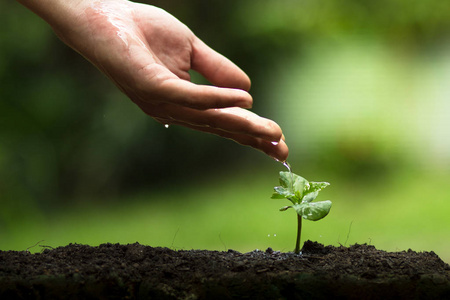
x: 148, y: 53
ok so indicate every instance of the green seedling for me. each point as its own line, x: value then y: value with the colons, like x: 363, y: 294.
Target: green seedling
x: 302, y: 193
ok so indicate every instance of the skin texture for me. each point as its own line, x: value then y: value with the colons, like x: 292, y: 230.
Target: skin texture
x: 147, y: 53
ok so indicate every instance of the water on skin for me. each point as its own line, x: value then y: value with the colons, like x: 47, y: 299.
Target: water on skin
x: 113, y: 13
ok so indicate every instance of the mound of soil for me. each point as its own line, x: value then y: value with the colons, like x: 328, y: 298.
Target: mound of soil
x: 114, y: 271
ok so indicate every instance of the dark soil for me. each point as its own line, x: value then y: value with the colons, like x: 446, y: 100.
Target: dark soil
x: 113, y: 271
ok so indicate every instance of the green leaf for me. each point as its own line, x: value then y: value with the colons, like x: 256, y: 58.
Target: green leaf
x: 283, y: 192
x: 277, y: 196
x: 300, y: 184
x: 313, y: 189
x: 310, y: 196
x: 294, y: 184
x: 317, y: 186
x: 286, y: 179
x: 313, y: 211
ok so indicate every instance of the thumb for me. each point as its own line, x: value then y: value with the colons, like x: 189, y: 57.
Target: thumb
x: 216, y: 68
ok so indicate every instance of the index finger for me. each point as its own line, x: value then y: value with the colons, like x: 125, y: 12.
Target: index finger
x: 218, y: 69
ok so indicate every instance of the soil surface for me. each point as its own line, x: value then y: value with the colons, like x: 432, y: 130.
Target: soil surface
x: 114, y: 271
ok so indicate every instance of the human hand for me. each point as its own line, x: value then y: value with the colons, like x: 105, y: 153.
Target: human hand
x: 147, y: 53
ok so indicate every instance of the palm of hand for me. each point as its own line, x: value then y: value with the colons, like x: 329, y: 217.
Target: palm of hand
x: 148, y: 53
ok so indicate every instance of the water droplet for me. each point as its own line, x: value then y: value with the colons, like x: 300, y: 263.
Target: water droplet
x: 275, y: 234
x: 287, y: 165
x: 166, y: 125
x: 274, y: 143
x: 268, y: 235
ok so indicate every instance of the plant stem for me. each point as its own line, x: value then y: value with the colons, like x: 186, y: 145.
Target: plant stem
x: 299, y: 234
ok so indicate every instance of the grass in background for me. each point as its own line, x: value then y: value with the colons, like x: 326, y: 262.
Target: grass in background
x: 407, y: 210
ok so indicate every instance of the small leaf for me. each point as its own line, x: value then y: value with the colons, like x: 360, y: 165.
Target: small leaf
x: 313, y: 189
x: 313, y: 211
x: 285, y: 208
x: 299, y: 186
x: 286, y: 179
x: 310, y: 196
x: 283, y: 192
x: 294, y: 184
x: 277, y: 196
x: 317, y: 186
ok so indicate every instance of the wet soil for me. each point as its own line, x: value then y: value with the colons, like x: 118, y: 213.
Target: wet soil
x: 114, y: 271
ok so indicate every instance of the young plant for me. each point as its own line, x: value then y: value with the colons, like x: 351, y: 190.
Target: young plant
x: 301, y: 193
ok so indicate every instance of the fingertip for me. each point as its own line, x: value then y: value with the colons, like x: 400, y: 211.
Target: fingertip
x: 280, y: 151
x: 244, y: 83
x: 274, y: 132
x: 284, y: 151
x: 244, y: 99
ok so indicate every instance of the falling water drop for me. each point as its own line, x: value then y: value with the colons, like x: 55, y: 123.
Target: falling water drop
x: 166, y: 125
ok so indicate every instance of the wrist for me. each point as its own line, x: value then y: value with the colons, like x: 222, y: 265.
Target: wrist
x: 62, y: 15
x: 54, y: 11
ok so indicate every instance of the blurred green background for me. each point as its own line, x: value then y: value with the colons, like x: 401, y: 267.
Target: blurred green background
x: 360, y: 88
